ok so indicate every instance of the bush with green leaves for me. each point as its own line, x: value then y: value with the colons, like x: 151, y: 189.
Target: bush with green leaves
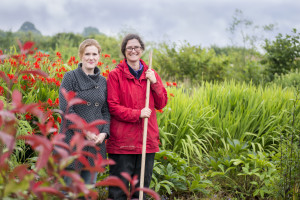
x: 282, y: 54
x: 242, y: 173
x: 189, y: 63
x: 173, y: 177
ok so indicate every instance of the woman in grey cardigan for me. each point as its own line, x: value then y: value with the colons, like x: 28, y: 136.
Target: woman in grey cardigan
x: 90, y: 86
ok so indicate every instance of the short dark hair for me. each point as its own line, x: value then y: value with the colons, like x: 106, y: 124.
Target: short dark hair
x: 128, y: 37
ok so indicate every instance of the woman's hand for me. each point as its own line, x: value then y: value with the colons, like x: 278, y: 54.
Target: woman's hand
x: 98, y: 139
x: 145, y: 113
x: 151, y: 76
x: 90, y: 136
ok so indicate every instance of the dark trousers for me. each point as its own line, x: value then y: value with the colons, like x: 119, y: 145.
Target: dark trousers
x: 130, y: 163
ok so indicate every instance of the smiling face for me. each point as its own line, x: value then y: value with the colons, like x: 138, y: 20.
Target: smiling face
x: 133, y: 51
x: 90, y: 58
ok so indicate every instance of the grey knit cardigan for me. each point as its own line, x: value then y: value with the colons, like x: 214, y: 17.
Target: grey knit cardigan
x: 92, y: 89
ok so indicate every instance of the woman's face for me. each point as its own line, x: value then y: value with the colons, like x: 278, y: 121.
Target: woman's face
x: 90, y: 58
x: 133, y: 50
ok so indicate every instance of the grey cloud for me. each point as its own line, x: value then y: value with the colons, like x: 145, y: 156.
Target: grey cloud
x: 196, y: 21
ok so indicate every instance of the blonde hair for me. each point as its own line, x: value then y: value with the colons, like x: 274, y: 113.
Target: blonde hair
x: 85, y: 44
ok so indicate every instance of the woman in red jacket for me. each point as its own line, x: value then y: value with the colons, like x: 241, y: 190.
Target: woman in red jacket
x: 126, y: 95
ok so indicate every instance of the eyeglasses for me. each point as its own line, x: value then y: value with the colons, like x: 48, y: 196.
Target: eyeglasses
x: 133, y: 48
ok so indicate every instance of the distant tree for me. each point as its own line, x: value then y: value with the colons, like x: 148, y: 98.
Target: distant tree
x: 87, y: 31
x: 7, y: 39
x: 283, y: 54
x: 244, y: 31
x: 29, y: 27
x: 188, y: 63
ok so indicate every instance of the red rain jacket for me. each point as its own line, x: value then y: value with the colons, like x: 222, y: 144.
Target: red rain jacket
x: 126, y: 97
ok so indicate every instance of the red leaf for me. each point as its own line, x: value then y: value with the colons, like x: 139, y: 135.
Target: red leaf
x: 134, y: 180
x: 61, y: 151
x: 76, y: 119
x: 75, y: 101
x: 77, y: 181
x: 84, y: 161
x: 97, y: 122
x: 8, y: 140
x: 7, y: 114
x: 3, y: 159
x: 58, y: 111
x: 20, y: 171
x: 35, y: 72
x: 100, y: 164
x: 47, y: 128
x: 68, y: 95
x: 126, y: 176
x: 113, y: 181
x: 40, y: 144
x: 33, y: 109
x: 73, y: 175
x: 17, y: 99
x: 49, y: 190
x: 150, y: 192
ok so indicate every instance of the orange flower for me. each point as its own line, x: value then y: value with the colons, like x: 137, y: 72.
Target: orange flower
x: 58, y: 54
x: 1, y: 90
x: 168, y: 84
x: 161, y: 111
x: 172, y: 95
x: 56, y: 101
x: 25, y: 77
x: 28, y: 117
x: 50, y: 102
x: 100, y: 63
x: 59, y: 119
x: 104, y: 74
x: 57, y: 83
x: 10, y: 76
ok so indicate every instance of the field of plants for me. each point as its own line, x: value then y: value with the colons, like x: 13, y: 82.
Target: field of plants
x: 230, y: 129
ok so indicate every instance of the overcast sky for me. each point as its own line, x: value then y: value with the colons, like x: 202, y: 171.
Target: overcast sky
x: 199, y: 22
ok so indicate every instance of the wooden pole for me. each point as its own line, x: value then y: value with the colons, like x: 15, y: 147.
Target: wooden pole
x: 142, y: 176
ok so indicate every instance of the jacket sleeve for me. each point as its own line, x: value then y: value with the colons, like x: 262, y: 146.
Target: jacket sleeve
x: 106, y: 116
x: 159, y: 93
x: 117, y: 110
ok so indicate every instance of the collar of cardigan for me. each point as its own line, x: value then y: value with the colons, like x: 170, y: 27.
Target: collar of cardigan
x: 85, y: 81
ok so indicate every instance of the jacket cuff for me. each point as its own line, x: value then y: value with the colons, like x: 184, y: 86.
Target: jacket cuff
x: 136, y: 113
x: 155, y: 86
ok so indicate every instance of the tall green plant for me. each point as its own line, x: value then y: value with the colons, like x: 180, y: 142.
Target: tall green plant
x: 200, y: 120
